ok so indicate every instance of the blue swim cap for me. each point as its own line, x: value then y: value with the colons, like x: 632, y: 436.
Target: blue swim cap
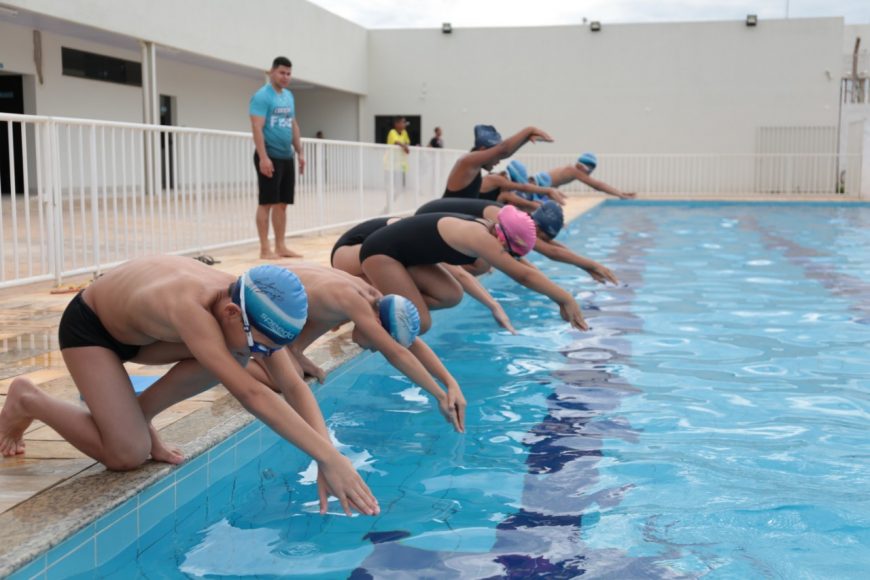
x: 543, y: 179
x: 590, y: 160
x: 549, y: 218
x: 485, y: 136
x: 400, y: 318
x: 518, y: 172
x: 275, y: 302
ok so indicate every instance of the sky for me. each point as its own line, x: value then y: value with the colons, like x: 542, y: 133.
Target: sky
x: 478, y: 13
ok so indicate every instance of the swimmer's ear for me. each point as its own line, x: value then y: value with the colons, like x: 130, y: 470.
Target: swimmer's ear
x: 231, y: 310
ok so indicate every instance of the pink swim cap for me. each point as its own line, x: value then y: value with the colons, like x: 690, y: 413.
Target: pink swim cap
x: 517, y: 229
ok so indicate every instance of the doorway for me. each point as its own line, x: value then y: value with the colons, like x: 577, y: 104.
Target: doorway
x: 11, y: 101
x: 167, y: 141
x: 383, y: 124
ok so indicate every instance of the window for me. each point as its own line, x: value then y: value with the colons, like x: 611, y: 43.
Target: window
x: 98, y: 67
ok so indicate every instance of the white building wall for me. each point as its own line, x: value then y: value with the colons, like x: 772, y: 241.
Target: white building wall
x: 630, y: 88
x: 333, y: 112
x: 325, y: 49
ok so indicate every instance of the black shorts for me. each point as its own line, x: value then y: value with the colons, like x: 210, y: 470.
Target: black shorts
x: 80, y: 326
x: 281, y: 187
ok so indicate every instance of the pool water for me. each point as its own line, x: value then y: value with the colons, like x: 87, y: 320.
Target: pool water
x: 713, y: 422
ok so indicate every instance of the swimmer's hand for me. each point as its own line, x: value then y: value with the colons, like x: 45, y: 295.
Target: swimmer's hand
x: 601, y: 274
x: 538, y: 135
x: 266, y: 167
x: 556, y: 195
x: 456, y: 402
x: 309, y: 368
x: 571, y: 313
x: 626, y: 195
x: 502, y: 319
x: 338, y: 477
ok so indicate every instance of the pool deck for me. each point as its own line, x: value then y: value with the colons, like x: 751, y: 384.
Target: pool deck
x: 53, y: 489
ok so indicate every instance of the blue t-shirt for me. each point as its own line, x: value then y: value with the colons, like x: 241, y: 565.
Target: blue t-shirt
x: 278, y: 110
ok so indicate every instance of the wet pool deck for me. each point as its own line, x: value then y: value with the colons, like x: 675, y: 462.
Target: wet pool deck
x: 53, y: 489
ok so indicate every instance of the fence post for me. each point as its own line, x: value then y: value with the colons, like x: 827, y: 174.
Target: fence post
x: 95, y: 202
x: 362, y: 210
x: 418, y: 154
x: 392, y: 177
x: 198, y: 192
x: 56, y: 255
x: 318, y: 185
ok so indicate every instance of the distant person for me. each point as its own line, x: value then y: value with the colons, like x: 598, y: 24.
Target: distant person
x: 436, y: 140
x: 398, y: 136
x: 319, y: 135
x: 276, y: 137
x: 581, y: 171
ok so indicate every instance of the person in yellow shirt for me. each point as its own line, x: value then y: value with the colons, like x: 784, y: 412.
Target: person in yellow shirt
x: 398, y: 136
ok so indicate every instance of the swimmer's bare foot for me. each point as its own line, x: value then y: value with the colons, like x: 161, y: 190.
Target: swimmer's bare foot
x: 268, y: 255
x: 162, y: 452
x: 13, y: 419
x: 287, y: 253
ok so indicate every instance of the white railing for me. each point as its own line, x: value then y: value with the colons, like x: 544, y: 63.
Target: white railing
x: 707, y: 175
x: 93, y: 193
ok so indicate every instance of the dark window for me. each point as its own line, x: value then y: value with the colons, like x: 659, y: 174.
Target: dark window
x: 98, y: 67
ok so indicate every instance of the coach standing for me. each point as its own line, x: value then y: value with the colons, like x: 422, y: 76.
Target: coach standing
x: 276, y: 137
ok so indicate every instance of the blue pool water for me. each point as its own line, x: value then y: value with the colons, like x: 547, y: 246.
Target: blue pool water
x: 714, y: 422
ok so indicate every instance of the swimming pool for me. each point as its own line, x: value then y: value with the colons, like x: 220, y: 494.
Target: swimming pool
x: 712, y: 423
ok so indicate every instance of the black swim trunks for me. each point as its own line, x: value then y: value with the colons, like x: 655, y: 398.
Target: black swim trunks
x: 281, y: 187
x: 80, y: 326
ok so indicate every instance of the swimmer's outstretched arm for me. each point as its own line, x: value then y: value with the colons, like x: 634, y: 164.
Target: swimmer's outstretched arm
x: 518, y: 201
x: 402, y: 359
x: 433, y: 364
x: 558, y: 252
x: 599, y: 185
x: 476, y: 290
x: 470, y: 164
x: 201, y: 333
x: 506, y: 184
x: 490, y: 250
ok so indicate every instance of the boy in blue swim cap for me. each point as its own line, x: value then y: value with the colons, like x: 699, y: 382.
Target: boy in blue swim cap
x: 514, y: 186
x: 388, y: 324
x: 174, y: 310
x: 581, y: 170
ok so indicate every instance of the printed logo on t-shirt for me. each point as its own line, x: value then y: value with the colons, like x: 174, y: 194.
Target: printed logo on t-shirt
x: 281, y: 117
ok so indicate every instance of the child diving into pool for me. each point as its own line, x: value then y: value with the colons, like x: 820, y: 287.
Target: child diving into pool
x: 169, y: 309
x: 389, y: 324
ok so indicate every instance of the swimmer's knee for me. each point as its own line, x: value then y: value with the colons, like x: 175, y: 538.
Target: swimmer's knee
x: 425, y: 322
x: 126, y: 461
x: 124, y: 456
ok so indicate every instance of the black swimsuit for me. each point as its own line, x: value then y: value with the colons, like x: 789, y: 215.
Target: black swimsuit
x: 471, y: 190
x: 415, y: 241
x: 474, y: 207
x: 358, y: 234
x: 80, y: 326
x: 491, y: 195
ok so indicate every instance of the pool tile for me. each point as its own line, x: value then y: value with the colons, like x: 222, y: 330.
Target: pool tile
x: 118, y: 513
x: 71, y: 544
x: 222, y: 447
x: 156, y: 509
x: 118, y: 537
x: 35, y: 569
x: 158, y: 530
x: 221, y: 466
x: 248, y: 449
x: 187, y: 490
x: 156, y: 488
x: 80, y: 561
x: 185, y: 469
